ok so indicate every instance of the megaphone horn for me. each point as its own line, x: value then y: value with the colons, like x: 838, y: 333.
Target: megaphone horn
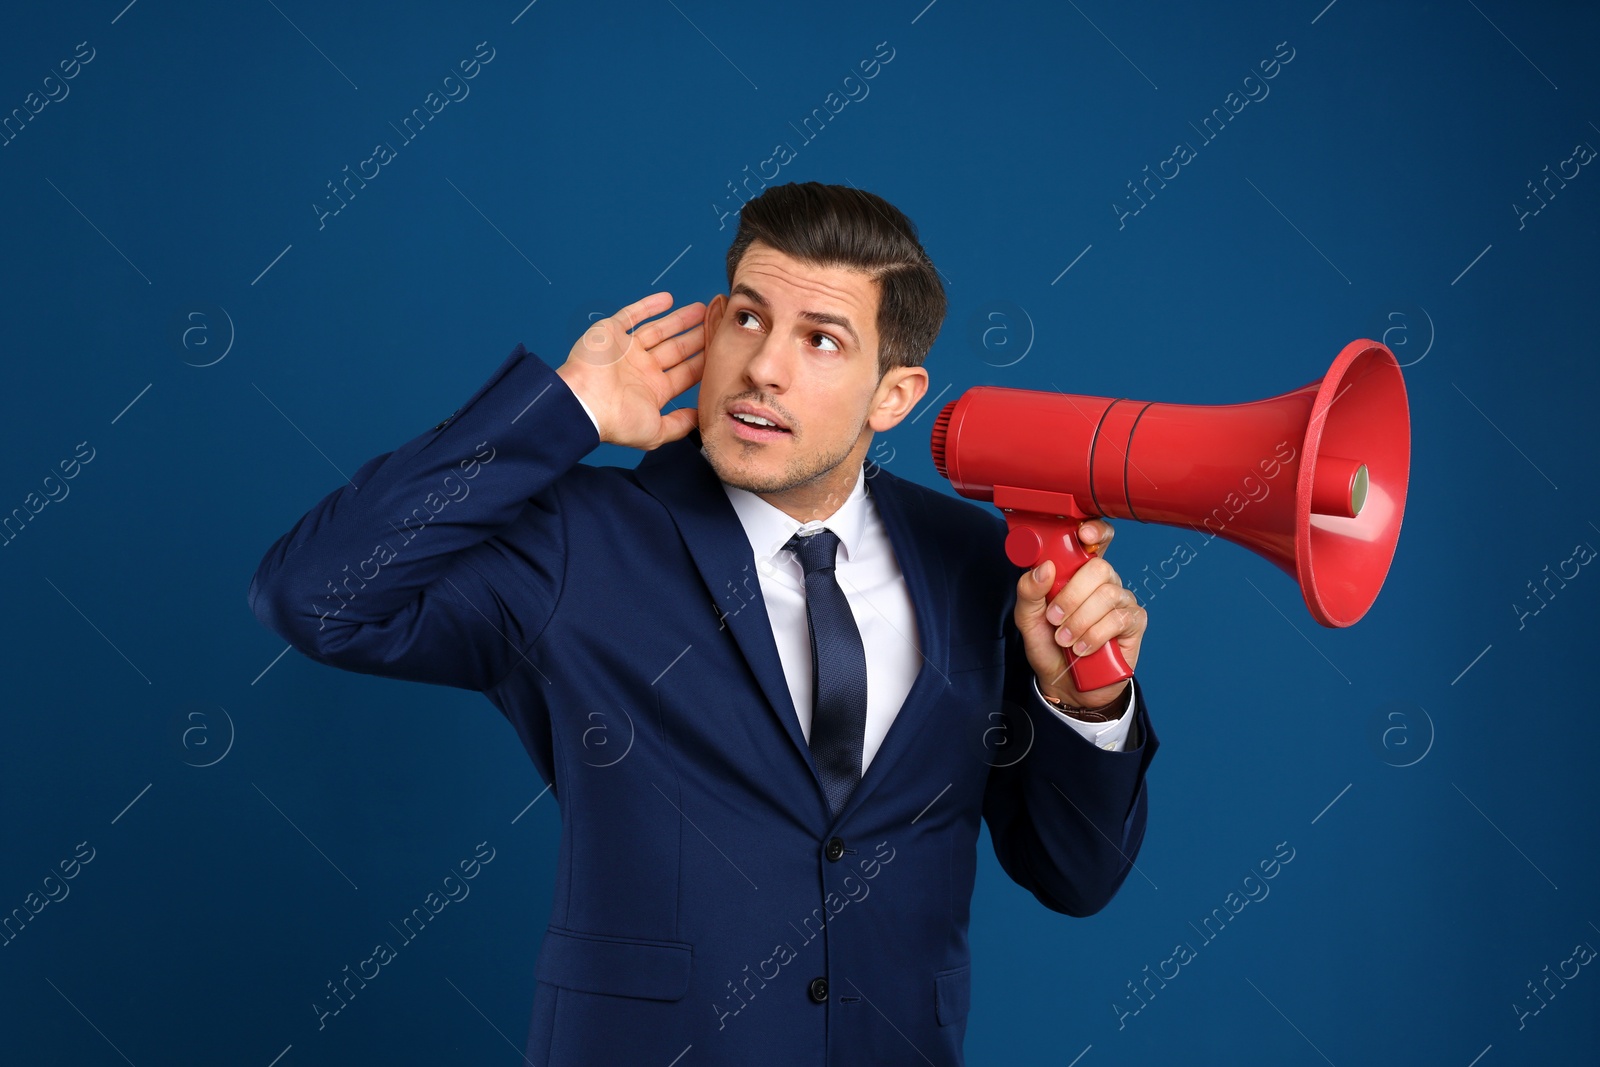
x: 1050, y: 460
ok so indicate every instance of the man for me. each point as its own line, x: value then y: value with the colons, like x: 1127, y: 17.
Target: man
x: 767, y: 851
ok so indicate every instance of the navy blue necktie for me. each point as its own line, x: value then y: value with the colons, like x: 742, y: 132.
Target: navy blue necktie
x: 838, y: 670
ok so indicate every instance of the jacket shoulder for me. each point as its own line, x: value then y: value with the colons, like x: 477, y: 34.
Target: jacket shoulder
x: 959, y: 522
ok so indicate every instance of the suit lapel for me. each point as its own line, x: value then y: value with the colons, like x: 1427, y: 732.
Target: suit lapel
x: 900, y: 508
x: 680, y: 477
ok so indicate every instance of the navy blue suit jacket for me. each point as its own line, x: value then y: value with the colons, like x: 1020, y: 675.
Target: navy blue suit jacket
x: 705, y: 899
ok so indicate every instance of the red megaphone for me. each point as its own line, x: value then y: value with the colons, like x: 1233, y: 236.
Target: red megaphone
x: 1313, y: 480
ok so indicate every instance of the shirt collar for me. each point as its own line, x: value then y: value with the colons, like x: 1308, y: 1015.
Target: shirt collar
x: 769, y: 528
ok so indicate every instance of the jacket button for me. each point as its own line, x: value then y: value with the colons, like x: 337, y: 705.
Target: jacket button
x: 835, y: 849
x: 819, y: 990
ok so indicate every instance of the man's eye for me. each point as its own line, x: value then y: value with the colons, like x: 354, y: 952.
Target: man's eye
x: 829, y: 340
x: 737, y: 315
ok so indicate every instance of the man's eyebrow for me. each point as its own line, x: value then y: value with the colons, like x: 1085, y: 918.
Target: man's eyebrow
x: 824, y: 318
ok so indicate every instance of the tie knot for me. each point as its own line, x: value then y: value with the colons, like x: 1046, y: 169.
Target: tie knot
x: 817, y: 552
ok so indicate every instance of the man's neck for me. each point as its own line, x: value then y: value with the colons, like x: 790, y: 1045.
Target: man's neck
x: 818, y: 501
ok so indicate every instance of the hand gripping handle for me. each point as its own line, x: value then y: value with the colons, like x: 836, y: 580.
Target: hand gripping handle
x: 1036, y: 537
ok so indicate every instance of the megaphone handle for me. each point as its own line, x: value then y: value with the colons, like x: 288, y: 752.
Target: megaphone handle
x: 1036, y: 537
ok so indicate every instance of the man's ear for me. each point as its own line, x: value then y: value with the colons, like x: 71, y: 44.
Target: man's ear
x: 713, y: 316
x: 897, y: 394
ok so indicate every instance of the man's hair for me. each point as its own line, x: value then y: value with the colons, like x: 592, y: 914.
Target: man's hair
x: 842, y: 226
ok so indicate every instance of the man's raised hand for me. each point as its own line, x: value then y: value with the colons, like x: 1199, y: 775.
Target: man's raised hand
x: 627, y: 370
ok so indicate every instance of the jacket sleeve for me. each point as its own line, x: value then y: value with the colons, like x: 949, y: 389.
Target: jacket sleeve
x: 442, y: 560
x: 1067, y: 818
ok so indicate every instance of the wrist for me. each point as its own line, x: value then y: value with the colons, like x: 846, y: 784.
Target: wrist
x: 570, y: 378
x: 1086, y: 713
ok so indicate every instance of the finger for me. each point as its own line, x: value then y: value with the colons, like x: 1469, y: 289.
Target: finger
x: 655, y: 335
x: 685, y: 374
x: 1092, y: 574
x: 630, y: 316
x: 666, y: 336
x: 1119, y: 621
x: 675, y: 350
x: 1032, y: 588
x: 1106, y: 613
x: 608, y: 339
x: 677, y: 423
x: 1095, y: 535
x: 1038, y: 636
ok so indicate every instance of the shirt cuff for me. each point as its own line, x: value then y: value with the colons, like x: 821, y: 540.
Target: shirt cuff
x: 586, y: 411
x: 1111, y: 736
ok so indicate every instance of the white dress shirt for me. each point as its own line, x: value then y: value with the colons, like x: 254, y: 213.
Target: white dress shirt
x: 873, y: 585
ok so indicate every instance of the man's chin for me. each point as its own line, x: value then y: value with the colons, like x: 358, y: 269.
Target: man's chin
x: 747, y: 472
x: 758, y: 470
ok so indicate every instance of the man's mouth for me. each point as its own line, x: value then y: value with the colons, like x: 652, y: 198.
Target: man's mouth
x: 756, y: 427
x: 755, y: 420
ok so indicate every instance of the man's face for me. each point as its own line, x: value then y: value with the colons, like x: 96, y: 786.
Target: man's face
x: 797, y: 344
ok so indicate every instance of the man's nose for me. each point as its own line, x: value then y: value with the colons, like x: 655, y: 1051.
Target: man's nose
x: 769, y: 365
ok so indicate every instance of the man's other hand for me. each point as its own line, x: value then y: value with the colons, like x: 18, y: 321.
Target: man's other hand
x: 1091, y: 609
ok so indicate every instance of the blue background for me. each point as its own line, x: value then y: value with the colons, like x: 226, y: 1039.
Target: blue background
x: 1432, y: 767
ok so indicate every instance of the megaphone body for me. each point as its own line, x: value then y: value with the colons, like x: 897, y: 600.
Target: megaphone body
x: 1313, y: 480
